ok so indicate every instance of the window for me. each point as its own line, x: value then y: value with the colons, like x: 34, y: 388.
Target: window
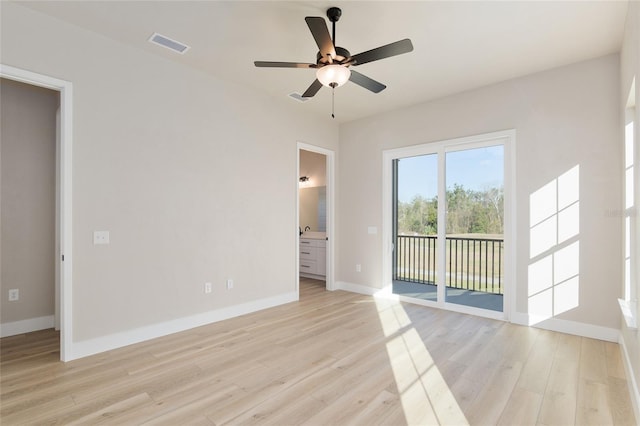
x: 629, y: 302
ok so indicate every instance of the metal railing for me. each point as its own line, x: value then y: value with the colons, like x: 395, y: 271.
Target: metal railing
x: 471, y: 263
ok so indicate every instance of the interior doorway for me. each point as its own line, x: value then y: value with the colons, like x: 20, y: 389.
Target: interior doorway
x: 28, y: 198
x: 62, y: 211
x: 314, y: 216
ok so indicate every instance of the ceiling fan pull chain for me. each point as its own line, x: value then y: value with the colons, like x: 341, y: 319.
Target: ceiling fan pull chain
x: 333, y: 102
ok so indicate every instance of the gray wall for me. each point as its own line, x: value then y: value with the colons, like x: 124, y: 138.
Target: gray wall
x: 27, y: 149
x: 564, y: 117
x: 178, y: 165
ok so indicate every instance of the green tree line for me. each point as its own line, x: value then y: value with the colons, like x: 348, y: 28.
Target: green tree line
x: 468, y: 211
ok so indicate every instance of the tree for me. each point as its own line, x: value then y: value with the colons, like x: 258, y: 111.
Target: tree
x: 420, y: 216
x: 468, y: 211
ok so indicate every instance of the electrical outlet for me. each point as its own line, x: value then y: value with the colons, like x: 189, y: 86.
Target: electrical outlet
x: 229, y: 284
x: 207, y: 288
x: 100, y: 237
x: 358, y: 268
x: 14, y: 294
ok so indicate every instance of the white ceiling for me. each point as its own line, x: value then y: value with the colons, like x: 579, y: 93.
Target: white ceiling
x: 457, y: 45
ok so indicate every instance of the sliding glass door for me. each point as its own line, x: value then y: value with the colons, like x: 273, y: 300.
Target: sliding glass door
x: 475, y: 227
x: 448, y: 221
x: 416, y: 227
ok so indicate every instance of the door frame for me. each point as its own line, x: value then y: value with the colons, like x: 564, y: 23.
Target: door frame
x: 330, y: 183
x: 507, y: 138
x: 64, y: 229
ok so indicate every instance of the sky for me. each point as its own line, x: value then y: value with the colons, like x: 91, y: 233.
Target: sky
x: 475, y: 169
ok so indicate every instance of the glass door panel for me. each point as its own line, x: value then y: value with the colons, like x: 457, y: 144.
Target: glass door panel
x: 415, y: 231
x: 474, y: 246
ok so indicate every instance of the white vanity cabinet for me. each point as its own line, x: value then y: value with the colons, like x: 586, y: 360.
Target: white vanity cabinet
x: 313, y: 257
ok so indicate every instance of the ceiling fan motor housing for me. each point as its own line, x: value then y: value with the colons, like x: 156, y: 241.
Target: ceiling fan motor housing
x: 342, y: 55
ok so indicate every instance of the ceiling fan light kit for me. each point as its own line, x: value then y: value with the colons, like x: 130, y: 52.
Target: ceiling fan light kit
x: 333, y: 75
x: 333, y: 62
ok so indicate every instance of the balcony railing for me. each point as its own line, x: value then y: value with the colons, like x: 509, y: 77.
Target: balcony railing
x: 471, y: 263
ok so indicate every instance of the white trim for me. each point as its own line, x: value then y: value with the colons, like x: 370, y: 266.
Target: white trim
x: 507, y: 139
x: 569, y: 327
x: 65, y: 202
x: 357, y: 288
x: 141, y: 334
x: 330, y: 184
x: 634, y: 391
x: 58, y: 247
x: 629, y: 313
x: 510, y: 215
x: 26, y: 326
x: 450, y: 144
x: 387, y: 217
x: 553, y: 324
x: 441, y: 182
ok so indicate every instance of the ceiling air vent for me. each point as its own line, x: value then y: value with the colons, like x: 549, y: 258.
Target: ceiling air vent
x: 174, y: 45
x: 298, y: 97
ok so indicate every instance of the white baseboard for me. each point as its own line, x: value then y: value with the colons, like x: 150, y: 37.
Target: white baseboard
x: 568, y: 327
x: 553, y: 324
x: 356, y: 288
x: 141, y: 334
x: 634, y: 391
x: 26, y: 326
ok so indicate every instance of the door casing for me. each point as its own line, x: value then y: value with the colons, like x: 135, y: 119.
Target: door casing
x: 330, y: 182
x: 64, y: 204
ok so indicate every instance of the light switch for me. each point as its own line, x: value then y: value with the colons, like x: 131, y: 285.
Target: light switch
x: 372, y: 230
x: 14, y: 294
x: 100, y: 237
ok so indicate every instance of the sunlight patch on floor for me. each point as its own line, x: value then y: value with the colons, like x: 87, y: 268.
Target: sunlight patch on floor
x: 424, y: 394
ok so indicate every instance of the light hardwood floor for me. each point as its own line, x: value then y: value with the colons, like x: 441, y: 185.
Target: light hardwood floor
x: 333, y: 358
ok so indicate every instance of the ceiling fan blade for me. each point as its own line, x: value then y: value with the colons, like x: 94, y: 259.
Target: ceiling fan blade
x: 392, y: 49
x: 313, y: 89
x: 366, y: 82
x: 320, y: 32
x: 266, y: 64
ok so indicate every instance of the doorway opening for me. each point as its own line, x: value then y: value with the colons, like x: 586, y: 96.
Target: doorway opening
x: 314, y: 217
x: 61, y: 222
x: 450, y: 222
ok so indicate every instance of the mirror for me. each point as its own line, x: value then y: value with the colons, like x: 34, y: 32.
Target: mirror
x: 313, y: 208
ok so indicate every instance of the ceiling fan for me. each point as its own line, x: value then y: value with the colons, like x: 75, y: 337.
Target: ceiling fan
x: 333, y: 62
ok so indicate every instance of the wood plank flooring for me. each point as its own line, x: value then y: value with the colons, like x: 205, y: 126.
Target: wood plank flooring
x: 333, y: 358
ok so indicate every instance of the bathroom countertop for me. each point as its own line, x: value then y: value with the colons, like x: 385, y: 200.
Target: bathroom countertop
x: 314, y: 235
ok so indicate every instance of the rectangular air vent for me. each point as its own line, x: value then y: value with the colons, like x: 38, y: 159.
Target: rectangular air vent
x: 164, y: 41
x: 298, y: 97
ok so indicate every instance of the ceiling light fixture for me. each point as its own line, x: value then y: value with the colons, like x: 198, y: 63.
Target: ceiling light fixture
x: 333, y: 75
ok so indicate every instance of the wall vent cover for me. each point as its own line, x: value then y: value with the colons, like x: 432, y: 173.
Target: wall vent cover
x: 298, y: 97
x: 164, y: 41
